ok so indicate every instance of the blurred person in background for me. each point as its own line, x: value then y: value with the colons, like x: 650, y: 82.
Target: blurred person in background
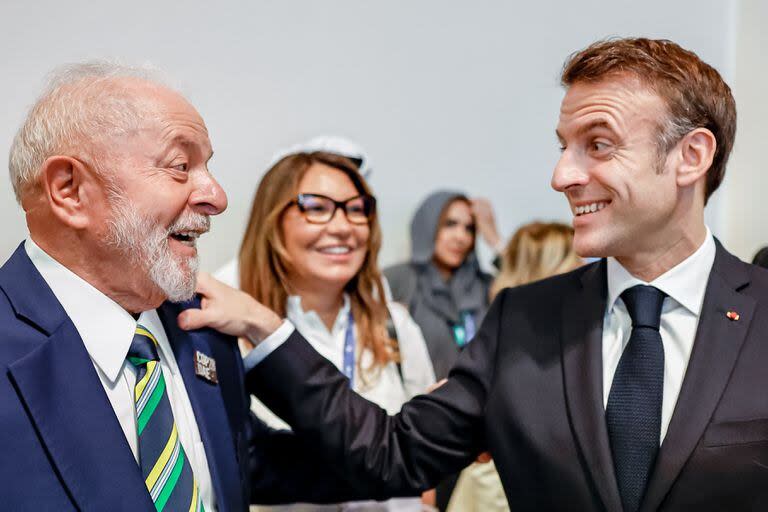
x: 443, y: 286
x: 309, y: 252
x: 536, y: 251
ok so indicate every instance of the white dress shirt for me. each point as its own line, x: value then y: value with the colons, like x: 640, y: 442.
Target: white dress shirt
x: 684, y: 285
x: 107, y: 331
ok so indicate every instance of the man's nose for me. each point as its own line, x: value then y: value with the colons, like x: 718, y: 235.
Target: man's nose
x: 207, y: 197
x: 568, y: 172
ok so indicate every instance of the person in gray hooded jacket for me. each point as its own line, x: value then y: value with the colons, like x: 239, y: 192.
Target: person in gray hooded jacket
x: 442, y: 285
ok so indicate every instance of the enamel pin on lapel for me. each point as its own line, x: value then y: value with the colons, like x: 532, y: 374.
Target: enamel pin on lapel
x: 205, y: 367
x: 732, y: 315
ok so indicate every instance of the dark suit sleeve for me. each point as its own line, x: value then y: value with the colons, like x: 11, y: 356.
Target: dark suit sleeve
x: 277, y: 466
x: 380, y: 455
x: 284, y: 469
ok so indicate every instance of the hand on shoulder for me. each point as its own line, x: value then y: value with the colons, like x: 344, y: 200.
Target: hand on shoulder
x: 230, y: 311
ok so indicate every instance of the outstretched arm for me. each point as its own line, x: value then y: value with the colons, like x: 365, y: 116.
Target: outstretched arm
x: 434, y: 435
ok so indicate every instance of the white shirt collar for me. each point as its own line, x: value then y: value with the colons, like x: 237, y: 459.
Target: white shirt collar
x: 104, y: 326
x: 151, y: 321
x: 297, y: 315
x: 685, y: 283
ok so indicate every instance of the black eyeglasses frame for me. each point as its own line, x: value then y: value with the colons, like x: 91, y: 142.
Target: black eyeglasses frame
x: 369, y: 202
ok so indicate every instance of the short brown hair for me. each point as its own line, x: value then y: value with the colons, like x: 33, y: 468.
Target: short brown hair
x: 265, y: 267
x: 694, y: 92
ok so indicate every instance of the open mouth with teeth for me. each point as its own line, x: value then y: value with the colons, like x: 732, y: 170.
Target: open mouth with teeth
x: 186, y: 237
x: 336, y: 249
x: 586, y: 209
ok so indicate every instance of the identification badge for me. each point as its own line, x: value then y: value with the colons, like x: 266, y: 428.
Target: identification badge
x: 205, y: 367
x: 470, y: 329
x: 459, y: 335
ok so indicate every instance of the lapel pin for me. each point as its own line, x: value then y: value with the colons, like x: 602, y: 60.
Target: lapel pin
x: 732, y: 315
x: 205, y: 367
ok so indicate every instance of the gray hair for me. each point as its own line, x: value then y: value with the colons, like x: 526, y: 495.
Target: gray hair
x: 81, y: 104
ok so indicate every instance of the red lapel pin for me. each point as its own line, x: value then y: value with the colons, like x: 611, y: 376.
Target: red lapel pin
x: 732, y: 315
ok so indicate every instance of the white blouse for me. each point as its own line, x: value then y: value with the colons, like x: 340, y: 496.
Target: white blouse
x: 383, y: 387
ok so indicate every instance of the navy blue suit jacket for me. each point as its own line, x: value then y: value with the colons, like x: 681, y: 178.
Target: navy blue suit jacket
x: 63, y: 447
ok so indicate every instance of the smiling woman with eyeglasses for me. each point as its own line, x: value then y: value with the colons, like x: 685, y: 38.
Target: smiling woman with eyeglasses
x: 309, y: 253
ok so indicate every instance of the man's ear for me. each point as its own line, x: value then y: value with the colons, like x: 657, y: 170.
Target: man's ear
x: 68, y: 187
x: 696, y: 152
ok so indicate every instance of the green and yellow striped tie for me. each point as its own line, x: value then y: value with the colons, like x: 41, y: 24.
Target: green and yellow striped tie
x: 164, y: 465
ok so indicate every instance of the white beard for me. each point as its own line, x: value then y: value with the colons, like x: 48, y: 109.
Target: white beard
x: 145, y: 243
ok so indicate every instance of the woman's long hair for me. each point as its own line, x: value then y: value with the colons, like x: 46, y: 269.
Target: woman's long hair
x: 536, y: 251
x: 265, y: 266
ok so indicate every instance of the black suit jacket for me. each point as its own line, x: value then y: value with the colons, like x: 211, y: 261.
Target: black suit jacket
x: 529, y: 389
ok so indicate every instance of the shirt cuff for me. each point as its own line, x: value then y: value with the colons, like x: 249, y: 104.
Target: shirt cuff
x: 268, y: 345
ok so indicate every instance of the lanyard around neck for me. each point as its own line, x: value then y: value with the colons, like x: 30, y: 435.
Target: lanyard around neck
x: 349, y: 351
x: 464, y: 331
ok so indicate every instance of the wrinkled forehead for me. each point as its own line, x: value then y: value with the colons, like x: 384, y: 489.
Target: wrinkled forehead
x: 153, y: 108
x: 617, y: 102
x: 125, y: 104
x: 151, y: 100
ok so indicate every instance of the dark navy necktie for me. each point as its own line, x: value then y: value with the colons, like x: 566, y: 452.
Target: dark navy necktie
x: 633, y: 414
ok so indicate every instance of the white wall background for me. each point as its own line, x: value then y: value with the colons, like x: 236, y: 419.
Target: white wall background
x: 746, y: 215
x: 441, y: 94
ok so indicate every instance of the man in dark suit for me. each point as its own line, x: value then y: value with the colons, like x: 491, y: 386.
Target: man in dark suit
x: 634, y: 383
x: 105, y: 404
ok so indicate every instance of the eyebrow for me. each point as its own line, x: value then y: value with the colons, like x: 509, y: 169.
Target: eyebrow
x: 592, y: 125
x: 178, y: 140
x: 184, y: 142
x: 448, y: 218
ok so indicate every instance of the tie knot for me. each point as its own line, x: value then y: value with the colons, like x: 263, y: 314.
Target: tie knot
x: 644, y: 305
x: 143, y: 347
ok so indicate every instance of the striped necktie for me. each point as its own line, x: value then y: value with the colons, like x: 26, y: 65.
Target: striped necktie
x: 164, y: 465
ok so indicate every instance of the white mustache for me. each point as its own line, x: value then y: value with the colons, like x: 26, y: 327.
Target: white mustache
x: 191, y: 222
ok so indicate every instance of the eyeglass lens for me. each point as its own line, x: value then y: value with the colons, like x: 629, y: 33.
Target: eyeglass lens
x: 321, y: 209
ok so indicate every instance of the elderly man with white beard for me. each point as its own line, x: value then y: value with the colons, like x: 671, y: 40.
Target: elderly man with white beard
x: 105, y: 404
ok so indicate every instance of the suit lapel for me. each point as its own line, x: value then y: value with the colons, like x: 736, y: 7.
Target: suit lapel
x: 715, y: 350
x: 65, y: 400
x: 581, y: 339
x: 210, y: 412
x: 30, y: 296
